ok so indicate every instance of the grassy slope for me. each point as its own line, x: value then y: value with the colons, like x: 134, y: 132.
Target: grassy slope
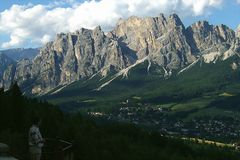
x: 93, y: 141
x: 198, y: 87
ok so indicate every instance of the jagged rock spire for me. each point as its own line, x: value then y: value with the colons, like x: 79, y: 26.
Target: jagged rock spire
x: 79, y: 55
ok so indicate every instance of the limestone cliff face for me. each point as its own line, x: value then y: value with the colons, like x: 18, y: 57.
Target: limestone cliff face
x: 204, y: 38
x: 7, y: 66
x: 75, y: 56
x: 238, y: 32
x: 161, y: 40
x: 8, y: 76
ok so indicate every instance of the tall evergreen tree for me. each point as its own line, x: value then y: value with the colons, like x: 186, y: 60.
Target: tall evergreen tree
x: 17, y: 106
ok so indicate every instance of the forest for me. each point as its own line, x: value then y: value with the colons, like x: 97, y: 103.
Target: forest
x: 93, y: 140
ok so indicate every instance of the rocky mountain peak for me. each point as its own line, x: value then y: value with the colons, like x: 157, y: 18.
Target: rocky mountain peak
x: 98, y: 33
x: 175, y: 20
x: 164, y: 42
x: 202, y: 24
x: 205, y: 38
x: 238, y: 31
x: 142, y: 35
x: 97, y: 29
x: 161, y: 16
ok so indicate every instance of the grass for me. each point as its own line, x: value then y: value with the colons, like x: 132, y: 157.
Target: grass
x: 194, y: 91
x: 167, y: 105
x: 198, y: 103
x: 136, y: 98
x: 203, y: 141
x: 89, y: 101
x: 225, y: 94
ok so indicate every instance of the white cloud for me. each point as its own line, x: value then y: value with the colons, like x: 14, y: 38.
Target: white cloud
x: 198, y: 7
x: 35, y: 25
x: 238, y: 1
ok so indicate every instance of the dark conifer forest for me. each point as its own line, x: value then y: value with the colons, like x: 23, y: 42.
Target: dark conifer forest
x: 91, y: 140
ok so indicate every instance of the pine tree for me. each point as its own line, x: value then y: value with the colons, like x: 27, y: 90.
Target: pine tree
x: 15, y: 90
x: 17, y: 106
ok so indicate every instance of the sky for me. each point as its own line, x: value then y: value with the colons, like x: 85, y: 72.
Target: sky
x: 32, y: 23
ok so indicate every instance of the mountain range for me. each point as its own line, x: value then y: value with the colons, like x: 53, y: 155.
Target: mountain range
x: 163, y: 43
x: 18, y: 54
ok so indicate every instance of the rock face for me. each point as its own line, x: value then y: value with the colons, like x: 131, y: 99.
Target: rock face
x: 7, y: 70
x: 204, y: 38
x: 162, y: 41
x: 238, y: 32
x: 71, y: 57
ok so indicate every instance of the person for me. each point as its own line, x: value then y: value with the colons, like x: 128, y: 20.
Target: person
x: 35, y: 140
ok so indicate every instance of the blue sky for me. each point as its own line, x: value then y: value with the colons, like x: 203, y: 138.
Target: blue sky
x: 6, y: 4
x: 32, y: 23
x: 228, y: 14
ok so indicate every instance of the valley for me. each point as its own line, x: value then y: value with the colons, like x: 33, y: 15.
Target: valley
x: 120, y: 80
x: 176, y: 80
x: 183, y: 105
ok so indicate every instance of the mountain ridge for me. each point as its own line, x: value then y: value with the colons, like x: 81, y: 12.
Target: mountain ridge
x: 160, y: 40
x: 18, y: 54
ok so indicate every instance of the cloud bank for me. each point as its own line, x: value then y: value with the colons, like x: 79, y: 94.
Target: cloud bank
x: 37, y: 24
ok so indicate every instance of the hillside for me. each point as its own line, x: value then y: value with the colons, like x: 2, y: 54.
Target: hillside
x: 152, y: 71
x: 188, y: 97
x: 199, y: 79
x: 162, y: 41
x: 91, y: 140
